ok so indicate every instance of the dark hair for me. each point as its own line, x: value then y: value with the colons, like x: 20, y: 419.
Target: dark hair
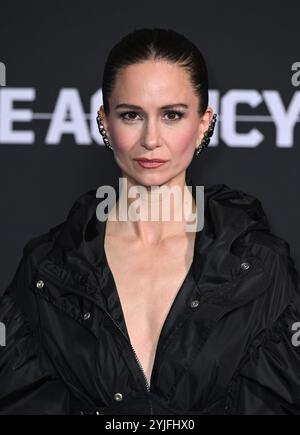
x: 150, y: 44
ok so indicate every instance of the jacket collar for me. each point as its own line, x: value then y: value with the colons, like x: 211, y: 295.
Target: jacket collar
x: 230, y: 218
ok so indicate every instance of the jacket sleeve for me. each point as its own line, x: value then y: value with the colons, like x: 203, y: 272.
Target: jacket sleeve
x: 28, y: 384
x: 269, y: 378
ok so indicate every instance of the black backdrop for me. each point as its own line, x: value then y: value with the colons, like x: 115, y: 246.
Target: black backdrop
x: 54, y: 53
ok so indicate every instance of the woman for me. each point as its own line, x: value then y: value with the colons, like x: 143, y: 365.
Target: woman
x: 141, y: 316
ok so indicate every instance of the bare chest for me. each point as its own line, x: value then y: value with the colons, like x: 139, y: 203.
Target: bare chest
x: 147, y: 282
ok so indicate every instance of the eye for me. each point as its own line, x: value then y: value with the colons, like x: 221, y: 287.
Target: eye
x: 174, y: 112
x: 122, y: 115
x: 131, y: 116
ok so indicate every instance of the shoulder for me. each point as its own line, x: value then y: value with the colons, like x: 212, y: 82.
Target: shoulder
x: 44, y: 240
x: 258, y: 239
x: 283, y: 279
x: 232, y: 194
x: 37, y: 247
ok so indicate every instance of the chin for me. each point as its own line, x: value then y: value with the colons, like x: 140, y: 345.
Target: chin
x: 152, y: 180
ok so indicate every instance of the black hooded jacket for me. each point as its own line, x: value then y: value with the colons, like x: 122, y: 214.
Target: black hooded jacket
x: 229, y: 344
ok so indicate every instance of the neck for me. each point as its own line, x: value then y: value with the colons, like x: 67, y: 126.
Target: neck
x: 153, y: 213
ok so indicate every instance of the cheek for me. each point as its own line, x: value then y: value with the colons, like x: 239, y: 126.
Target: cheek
x: 182, y: 147
x: 183, y: 142
x: 124, y: 138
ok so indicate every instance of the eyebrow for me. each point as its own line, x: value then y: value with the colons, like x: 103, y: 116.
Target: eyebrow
x: 133, y: 106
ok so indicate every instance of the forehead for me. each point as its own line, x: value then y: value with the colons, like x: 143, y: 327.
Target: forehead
x: 152, y: 79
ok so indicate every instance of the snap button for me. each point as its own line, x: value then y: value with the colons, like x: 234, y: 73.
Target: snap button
x: 40, y: 284
x: 86, y: 316
x: 118, y: 397
x: 194, y: 303
x: 245, y: 266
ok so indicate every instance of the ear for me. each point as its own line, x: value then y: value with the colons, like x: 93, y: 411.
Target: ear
x: 104, y: 119
x: 204, y: 123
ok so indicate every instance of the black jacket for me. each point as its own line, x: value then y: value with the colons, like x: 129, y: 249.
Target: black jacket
x: 228, y: 345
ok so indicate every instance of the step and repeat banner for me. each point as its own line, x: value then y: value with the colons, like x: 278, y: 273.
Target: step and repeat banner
x: 52, y: 56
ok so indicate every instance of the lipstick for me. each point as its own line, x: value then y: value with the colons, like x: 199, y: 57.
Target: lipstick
x: 150, y: 163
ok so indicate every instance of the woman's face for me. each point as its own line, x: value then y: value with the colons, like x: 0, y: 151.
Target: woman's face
x: 150, y: 130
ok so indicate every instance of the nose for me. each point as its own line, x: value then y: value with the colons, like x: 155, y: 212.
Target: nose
x: 150, y: 137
